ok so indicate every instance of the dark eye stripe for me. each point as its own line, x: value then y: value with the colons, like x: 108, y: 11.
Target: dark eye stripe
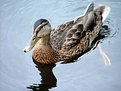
x: 37, y: 31
x: 40, y: 28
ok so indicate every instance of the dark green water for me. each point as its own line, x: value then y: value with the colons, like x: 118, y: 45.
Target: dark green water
x: 17, y: 69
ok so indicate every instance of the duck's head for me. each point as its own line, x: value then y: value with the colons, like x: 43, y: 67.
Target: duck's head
x: 41, y: 29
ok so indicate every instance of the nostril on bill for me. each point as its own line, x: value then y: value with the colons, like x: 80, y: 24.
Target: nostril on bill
x: 25, y: 51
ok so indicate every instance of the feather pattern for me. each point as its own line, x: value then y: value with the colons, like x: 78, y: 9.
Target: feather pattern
x: 76, y: 37
x: 72, y: 39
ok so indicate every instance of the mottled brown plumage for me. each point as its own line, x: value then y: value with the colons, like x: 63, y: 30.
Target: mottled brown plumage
x: 70, y: 40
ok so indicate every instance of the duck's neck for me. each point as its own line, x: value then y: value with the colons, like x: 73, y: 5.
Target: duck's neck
x: 45, y: 40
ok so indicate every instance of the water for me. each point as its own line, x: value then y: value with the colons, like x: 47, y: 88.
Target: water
x: 17, y: 69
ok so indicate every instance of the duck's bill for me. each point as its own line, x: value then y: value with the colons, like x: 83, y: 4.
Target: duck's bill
x: 31, y: 45
x: 27, y: 48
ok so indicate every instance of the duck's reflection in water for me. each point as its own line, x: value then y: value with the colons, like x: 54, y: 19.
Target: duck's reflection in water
x: 48, y: 78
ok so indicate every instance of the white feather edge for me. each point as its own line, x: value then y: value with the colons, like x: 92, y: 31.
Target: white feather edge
x: 105, y: 13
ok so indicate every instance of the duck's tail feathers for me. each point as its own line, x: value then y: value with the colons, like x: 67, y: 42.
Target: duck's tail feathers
x: 89, y: 8
x: 104, y: 8
x: 105, y: 13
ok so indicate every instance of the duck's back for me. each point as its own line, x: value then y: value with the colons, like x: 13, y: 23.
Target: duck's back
x: 74, y: 38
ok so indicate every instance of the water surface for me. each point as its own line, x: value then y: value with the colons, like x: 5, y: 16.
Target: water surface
x: 18, y: 72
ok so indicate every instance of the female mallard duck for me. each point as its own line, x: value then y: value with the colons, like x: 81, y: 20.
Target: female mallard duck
x: 70, y: 40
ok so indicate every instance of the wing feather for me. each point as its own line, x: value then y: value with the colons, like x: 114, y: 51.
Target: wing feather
x: 58, y: 35
x: 72, y: 38
x: 69, y: 34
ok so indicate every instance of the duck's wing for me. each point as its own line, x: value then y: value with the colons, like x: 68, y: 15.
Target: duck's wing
x: 69, y: 34
x: 73, y: 37
x: 80, y: 31
x: 59, y: 34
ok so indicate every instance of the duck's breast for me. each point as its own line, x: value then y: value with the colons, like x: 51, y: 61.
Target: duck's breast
x: 44, y: 54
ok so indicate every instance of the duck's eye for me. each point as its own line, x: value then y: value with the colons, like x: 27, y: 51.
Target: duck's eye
x: 37, y: 31
x: 41, y: 27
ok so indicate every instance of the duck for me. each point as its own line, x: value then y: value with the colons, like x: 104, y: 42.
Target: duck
x: 70, y: 40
